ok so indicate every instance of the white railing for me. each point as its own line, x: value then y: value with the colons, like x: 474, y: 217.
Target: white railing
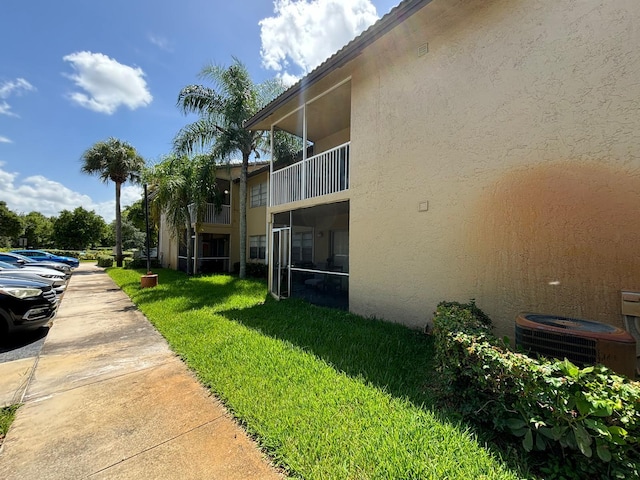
x: 223, y: 217
x: 322, y: 174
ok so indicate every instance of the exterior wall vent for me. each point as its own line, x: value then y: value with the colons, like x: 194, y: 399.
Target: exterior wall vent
x: 583, y: 342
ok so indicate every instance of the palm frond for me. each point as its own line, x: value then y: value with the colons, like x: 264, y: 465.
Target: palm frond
x: 268, y: 91
x: 196, y: 136
x: 180, y: 181
x: 114, y: 160
x: 200, y: 100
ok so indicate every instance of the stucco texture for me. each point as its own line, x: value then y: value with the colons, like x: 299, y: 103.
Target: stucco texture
x: 503, y: 165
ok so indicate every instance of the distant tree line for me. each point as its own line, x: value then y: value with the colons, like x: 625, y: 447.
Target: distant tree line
x: 72, y: 230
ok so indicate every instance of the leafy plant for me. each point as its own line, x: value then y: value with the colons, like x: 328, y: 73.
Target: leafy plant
x: 586, y: 421
x: 256, y: 270
x: 7, y: 414
x: 105, y: 261
x: 141, y: 263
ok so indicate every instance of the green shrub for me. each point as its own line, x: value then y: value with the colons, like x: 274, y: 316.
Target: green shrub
x: 134, y: 263
x: 105, y: 261
x: 67, y: 253
x: 581, y: 422
x: 256, y: 270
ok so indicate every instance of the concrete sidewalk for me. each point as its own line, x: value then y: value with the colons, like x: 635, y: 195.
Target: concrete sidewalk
x: 108, y: 399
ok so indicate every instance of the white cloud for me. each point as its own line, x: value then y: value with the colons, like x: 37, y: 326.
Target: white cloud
x: 15, y: 87
x: 39, y: 194
x: 106, y: 84
x: 307, y: 32
x: 5, y: 139
x: 160, y: 42
x: 12, y: 88
x: 5, y: 109
x: 129, y: 194
x: 287, y: 78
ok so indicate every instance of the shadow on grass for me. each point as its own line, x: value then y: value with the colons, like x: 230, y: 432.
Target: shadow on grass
x: 193, y: 292
x: 389, y: 356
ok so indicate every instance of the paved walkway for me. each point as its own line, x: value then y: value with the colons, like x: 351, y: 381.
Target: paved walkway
x: 107, y: 399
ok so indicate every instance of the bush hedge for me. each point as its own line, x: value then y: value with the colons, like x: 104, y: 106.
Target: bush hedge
x: 66, y: 253
x: 253, y: 269
x: 105, y: 261
x: 582, y: 423
x: 134, y: 263
x: 257, y: 270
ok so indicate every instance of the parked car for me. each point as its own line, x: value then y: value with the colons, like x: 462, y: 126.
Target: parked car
x: 56, y: 279
x: 25, y: 305
x: 42, y: 256
x: 18, y: 260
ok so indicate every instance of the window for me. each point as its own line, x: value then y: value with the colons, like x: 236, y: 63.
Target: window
x: 340, y: 249
x: 259, y: 195
x: 302, y: 247
x: 257, y: 247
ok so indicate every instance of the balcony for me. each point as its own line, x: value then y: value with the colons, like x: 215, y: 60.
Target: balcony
x: 322, y: 174
x: 223, y: 217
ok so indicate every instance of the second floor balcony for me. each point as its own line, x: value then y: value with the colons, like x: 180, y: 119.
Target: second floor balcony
x: 212, y: 215
x: 322, y: 174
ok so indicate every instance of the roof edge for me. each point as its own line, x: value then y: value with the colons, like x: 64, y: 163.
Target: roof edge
x: 351, y: 50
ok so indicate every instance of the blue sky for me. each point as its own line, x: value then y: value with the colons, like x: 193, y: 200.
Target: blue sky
x: 76, y: 72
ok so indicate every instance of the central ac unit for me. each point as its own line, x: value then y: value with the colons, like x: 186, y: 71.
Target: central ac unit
x: 583, y: 342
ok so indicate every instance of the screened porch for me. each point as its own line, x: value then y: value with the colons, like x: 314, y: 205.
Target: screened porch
x: 309, y: 255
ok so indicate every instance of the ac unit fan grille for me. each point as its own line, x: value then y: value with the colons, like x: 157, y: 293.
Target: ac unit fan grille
x: 578, y: 350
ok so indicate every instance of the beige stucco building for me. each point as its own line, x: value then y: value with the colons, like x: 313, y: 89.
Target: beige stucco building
x: 216, y: 238
x: 485, y: 149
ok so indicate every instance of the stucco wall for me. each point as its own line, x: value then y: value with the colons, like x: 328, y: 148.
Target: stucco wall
x: 256, y: 216
x: 167, y: 246
x: 331, y: 141
x: 255, y: 219
x: 503, y: 165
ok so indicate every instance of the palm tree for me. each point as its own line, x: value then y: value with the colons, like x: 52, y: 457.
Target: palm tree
x: 177, y: 182
x: 223, y: 110
x: 119, y: 162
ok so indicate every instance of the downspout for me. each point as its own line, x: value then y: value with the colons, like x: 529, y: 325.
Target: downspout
x: 304, y: 152
x: 268, y: 223
x: 195, y: 249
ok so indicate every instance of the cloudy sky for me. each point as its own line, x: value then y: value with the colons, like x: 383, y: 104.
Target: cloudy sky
x: 76, y: 72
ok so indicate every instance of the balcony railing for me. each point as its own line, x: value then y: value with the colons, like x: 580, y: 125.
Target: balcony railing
x: 322, y: 174
x: 223, y: 217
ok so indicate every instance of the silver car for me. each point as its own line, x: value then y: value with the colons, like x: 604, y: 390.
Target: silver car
x: 19, y: 260
x: 56, y: 279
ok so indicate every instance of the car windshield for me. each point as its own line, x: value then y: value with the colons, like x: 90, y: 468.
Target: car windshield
x: 8, y: 266
x: 21, y: 257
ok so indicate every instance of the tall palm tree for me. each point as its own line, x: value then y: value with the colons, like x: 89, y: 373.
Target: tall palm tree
x: 222, y: 112
x: 119, y: 162
x: 177, y: 182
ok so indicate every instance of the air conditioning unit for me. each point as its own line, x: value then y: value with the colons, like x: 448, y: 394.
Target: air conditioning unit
x: 583, y: 342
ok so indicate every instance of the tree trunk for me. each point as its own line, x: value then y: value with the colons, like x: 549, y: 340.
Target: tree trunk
x: 189, y: 247
x: 243, y: 215
x: 118, y: 227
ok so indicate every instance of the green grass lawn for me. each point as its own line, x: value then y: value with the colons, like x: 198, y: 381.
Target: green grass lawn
x: 327, y: 394
x: 7, y: 414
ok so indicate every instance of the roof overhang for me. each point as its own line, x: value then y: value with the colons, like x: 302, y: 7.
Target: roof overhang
x: 265, y: 117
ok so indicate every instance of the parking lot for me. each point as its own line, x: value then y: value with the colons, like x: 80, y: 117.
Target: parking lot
x: 24, y: 345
